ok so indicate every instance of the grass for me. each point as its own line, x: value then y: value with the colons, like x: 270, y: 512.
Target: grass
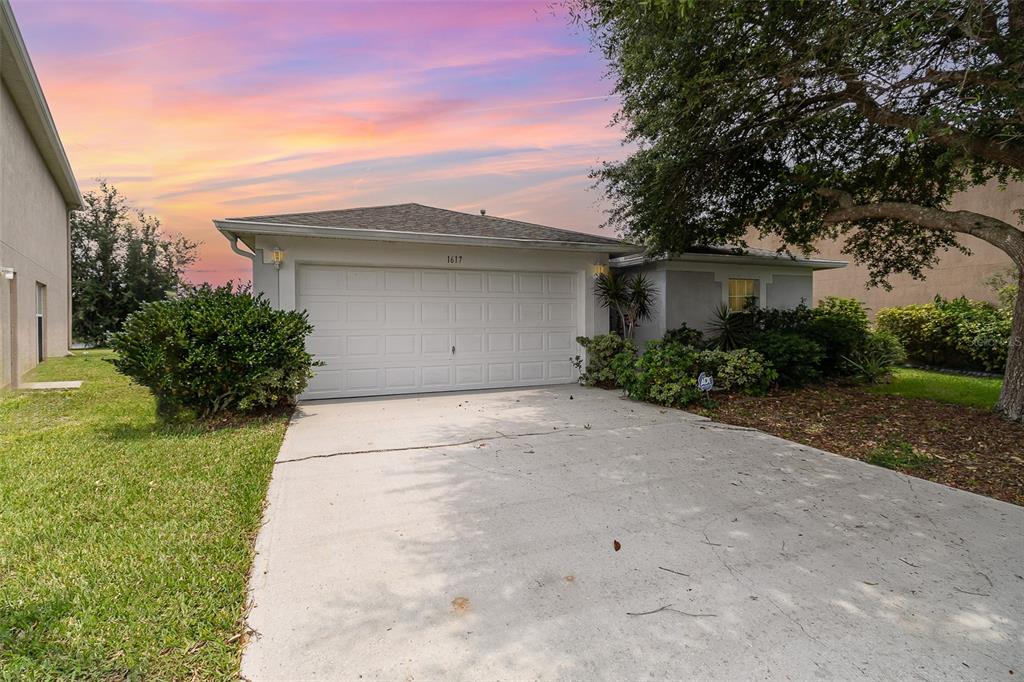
x: 124, y: 545
x: 980, y: 392
x: 897, y: 455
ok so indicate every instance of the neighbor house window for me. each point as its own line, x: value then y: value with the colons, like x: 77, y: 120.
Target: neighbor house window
x: 742, y: 293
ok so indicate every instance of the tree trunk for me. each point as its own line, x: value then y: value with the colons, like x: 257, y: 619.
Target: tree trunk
x: 1011, y: 400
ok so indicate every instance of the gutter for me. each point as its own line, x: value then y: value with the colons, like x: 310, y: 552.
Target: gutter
x: 233, y: 238
x: 748, y: 259
x: 230, y: 227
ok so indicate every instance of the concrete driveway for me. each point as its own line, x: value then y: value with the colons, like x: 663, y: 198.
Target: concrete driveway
x: 566, y: 533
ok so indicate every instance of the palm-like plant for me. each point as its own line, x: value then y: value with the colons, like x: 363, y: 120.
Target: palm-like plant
x: 630, y: 296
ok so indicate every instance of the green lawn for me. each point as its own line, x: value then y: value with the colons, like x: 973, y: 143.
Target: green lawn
x: 946, y: 388
x: 124, y: 545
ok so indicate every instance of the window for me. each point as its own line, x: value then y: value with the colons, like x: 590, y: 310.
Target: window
x: 742, y: 293
x: 40, y: 321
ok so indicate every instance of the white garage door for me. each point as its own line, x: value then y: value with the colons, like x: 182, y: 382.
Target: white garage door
x: 392, y: 330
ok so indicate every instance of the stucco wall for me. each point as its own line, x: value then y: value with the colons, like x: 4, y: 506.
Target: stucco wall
x: 33, y: 240
x: 955, y: 275
x: 789, y: 291
x: 313, y: 250
x: 689, y: 292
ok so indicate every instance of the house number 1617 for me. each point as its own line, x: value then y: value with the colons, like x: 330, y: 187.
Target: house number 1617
x: 454, y: 259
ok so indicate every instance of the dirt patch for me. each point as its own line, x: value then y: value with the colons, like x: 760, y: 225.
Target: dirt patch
x: 957, y: 446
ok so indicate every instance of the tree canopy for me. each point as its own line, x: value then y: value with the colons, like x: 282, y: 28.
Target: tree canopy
x: 120, y: 259
x: 817, y: 119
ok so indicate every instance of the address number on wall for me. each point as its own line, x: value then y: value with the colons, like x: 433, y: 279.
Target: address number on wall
x: 454, y: 259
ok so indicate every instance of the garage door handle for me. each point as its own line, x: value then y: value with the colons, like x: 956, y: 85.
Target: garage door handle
x: 453, y: 350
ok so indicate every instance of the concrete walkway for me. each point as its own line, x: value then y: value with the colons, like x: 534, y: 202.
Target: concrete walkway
x: 567, y: 533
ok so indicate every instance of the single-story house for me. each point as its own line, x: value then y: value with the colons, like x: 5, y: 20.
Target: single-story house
x: 37, y: 189
x: 410, y: 298
x: 692, y: 286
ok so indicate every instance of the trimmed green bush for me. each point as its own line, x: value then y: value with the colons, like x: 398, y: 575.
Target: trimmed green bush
x: 666, y: 373
x: 215, y: 350
x: 744, y: 370
x: 957, y: 333
x: 796, y: 358
x: 601, y: 350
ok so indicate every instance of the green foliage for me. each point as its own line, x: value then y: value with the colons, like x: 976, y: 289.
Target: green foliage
x: 896, y: 455
x: 667, y: 372
x: 685, y: 335
x: 631, y: 297
x: 744, y: 370
x: 601, y: 350
x: 835, y: 328
x: 797, y: 359
x: 772, y: 115
x: 214, y: 350
x: 120, y: 259
x: 728, y: 329
x: 875, y: 359
x: 957, y: 333
x: 840, y: 326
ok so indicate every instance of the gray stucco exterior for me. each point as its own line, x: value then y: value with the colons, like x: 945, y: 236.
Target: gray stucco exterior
x: 36, y: 191
x: 688, y: 290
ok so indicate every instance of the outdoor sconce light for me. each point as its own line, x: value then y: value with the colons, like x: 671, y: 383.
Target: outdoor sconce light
x: 7, y: 272
x: 277, y: 257
x: 600, y: 269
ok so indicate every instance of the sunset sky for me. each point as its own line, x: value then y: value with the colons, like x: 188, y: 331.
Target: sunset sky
x: 199, y: 110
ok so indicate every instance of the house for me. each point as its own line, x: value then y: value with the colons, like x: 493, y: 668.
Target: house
x: 37, y: 189
x: 956, y: 273
x: 692, y: 286
x: 410, y: 298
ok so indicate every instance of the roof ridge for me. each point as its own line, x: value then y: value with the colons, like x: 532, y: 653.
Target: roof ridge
x: 326, y: 210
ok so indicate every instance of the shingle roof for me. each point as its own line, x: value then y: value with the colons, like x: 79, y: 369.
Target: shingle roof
x: 418, y: 218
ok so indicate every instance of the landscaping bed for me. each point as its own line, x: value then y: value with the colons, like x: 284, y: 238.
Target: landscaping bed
x: 963, y: 447
x: 124, y: 544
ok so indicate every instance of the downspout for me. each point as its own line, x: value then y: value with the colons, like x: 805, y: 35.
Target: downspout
x: 234, y: 247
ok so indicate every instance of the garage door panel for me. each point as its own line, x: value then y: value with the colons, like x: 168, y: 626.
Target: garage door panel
x: 392, y: 330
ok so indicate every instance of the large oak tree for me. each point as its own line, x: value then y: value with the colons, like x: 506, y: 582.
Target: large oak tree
x: 818, y: 119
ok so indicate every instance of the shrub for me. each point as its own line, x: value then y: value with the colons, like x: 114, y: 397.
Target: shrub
x: 874, y: 360
x: 666, y: 373
x: 729, y: 329
x: 957, y: 333
x: 687, y: 336
x: 215, y: 349
x: 797, y: 359
x: 743, y: 369
x: 601, y: 350
x: 663, y: 375
x: 839, y: 326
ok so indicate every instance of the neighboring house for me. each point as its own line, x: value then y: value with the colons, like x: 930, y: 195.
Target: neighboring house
x: 410, y: 299
x: 37, y: 189
x: 692, y: 286
x: 956, y: 274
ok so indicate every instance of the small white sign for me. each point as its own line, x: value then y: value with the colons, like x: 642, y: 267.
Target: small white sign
x: 705, y: 382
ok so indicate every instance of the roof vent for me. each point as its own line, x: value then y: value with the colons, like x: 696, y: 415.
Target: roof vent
x: 483, y: 211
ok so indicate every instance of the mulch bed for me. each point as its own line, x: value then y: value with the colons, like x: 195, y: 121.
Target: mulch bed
x: 965, y: 448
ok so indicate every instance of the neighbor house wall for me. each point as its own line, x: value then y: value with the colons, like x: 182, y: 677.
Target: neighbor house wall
x: 280, y: 285
x: 956, y: 274
x: 34, y: 241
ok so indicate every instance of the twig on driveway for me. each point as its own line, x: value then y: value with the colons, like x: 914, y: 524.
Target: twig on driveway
x: 676, y: 572
x: 668, y: 607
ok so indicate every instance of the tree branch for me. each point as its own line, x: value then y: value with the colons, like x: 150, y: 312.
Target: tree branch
x: 1003, y: 236
x: 1008, y: 154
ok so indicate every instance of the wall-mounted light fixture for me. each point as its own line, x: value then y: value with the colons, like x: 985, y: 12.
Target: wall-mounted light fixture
x: 600, y: 269
x: 277, y: 257
x: 8, y: 273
